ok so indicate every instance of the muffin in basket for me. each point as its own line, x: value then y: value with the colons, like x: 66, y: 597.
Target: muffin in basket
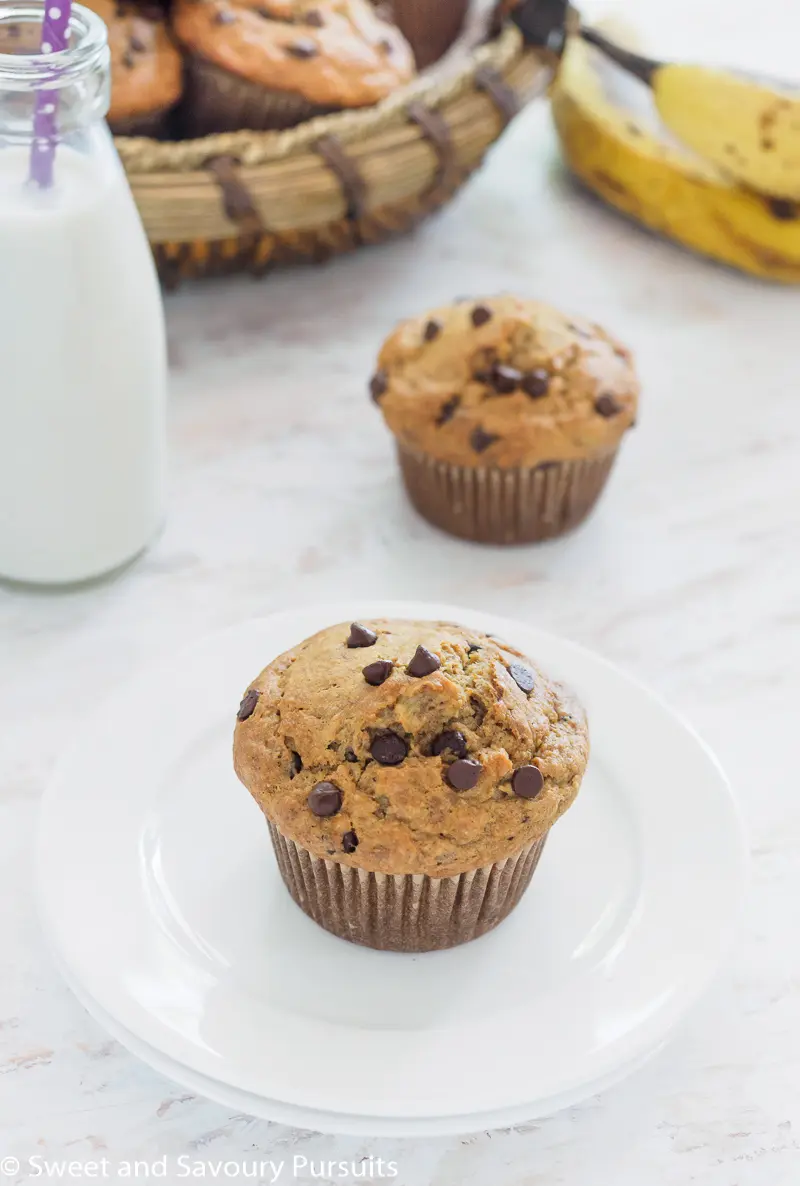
x: 262, y: 64
x: 409, y: 773
x: 431, y: 26
x: 146, y: 67
x: 507, y: 416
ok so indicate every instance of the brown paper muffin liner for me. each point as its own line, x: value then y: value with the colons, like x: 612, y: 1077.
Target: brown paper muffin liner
x: 504, y: 506
x: 430, y: 26
x: 218, y: 101
x: 153, y: 124
x: 393, y: 912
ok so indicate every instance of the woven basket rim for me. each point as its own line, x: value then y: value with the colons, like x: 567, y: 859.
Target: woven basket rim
x: 142, y: 155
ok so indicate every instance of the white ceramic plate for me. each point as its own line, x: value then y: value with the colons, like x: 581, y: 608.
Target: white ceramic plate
x: 338, y: 1123
x: 162, y: 899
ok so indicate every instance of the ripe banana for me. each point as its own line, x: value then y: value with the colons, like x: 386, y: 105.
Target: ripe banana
x: 615, y: 141
x: 749, y: 127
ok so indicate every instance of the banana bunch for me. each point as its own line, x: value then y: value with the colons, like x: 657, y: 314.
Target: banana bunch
x: 706, y: 157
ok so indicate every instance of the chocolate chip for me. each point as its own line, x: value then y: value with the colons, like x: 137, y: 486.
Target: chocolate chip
x: 423, y: 663
x: 378, y: 385
x: 389, y: 749
x: 325, y: 800
x: 295, y: 764
x: 313, y: 19
x: 137, y: 45
x: 350, y: 842
x: 481, y: 440
x: 536, y: 383
x: 247, y: 707
x: 472, y: 648
x: 128, y: 61
x: 377, y: 673
x: 432, y: 330
x: 453, y: 740
x: 303, y: 47
x: 224, y: 18
x: 350, y: 755
x: 505, y: 379
x: 527, y: 782
x: 463, y: 774
x: 448, y: 410
x: 480, y: 315
x: 361, y: 636
x: 522, y: 676
x: 607, y: 405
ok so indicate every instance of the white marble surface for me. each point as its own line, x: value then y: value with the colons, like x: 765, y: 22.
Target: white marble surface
x: 285, y: 491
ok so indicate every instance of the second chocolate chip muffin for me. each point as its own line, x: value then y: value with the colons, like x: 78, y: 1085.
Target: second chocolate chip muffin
x: 146, y: 68
x: 410, y: 773
x: 264, y: 64
x: 507, y: 415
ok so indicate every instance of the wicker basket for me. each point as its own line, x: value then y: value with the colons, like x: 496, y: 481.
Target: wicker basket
x: 247, y: 201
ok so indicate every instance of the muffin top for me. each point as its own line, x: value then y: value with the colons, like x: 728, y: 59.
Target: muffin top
x: 146, y: 68
x: 409, y: 747
x: 335, y: 53
x: 505, y: 382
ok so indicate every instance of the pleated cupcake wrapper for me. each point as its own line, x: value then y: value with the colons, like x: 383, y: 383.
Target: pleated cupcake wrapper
x: 504, y: 506
x: 218, y: 101
x: 430, y: 26
x: 152, y: 124
x: 393, y: 912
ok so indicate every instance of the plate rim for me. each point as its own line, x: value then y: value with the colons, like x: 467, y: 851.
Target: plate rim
x: 345, y: 1124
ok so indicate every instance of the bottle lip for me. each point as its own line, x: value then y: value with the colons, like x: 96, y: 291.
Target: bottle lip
x: 87, y: 50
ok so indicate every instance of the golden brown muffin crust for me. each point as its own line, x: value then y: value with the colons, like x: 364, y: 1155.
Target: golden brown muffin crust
x: 335, y: 53
x: 146, y: 68
x: 311, y: 717
x: 505, y: 382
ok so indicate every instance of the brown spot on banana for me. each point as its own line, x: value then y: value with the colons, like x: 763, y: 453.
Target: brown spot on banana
x: 783, y: 209
x: 613, y: 183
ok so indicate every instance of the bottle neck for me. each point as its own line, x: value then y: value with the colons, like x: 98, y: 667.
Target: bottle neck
x: 76, y: 81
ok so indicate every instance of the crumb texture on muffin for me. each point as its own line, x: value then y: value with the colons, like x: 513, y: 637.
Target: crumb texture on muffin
x: 505, y: 382
x: 335, y: 53
x: 146, y: 67
x: 433, y: 749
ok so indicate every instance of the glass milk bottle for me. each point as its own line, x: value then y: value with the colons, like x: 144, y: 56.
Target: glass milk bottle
x: 82, y: 344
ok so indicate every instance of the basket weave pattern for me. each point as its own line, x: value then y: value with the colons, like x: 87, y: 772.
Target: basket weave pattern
x: 255, y: 200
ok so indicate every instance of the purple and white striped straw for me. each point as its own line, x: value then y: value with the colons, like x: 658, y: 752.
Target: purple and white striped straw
x: 55, y: 27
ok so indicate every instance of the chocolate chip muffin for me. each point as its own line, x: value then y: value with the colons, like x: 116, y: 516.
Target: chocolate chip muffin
x: 410, y: 773
x: 264, y: 64
x: 507, y: 415
x: 146, y: 68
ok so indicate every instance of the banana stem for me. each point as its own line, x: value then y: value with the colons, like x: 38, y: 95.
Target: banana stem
x: 543, y: 23
x: 643, y: 68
